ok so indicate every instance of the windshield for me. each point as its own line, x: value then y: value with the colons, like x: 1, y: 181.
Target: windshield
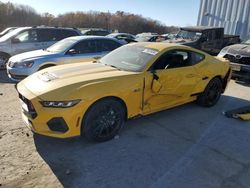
x: 246, y: 41
x: 11, y: 34
x: 188, y: 35
x: 129, y: 58
x: 61, y: 46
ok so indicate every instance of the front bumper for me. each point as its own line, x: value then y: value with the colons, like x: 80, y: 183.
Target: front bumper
x: 53, y: 122
x: 18, y: 74
x: 240, y: 71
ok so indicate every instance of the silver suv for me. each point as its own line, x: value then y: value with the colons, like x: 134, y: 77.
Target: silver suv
x: 70, y: 50
x: 31, y: 38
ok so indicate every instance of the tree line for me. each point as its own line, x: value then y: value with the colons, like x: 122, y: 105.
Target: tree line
x: 23, y: 15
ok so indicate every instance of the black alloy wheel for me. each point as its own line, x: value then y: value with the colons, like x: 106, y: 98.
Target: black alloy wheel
x: 103, y: 120
x: 211, y: 94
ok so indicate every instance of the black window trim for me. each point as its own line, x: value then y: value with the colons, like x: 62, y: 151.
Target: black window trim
x: 83, y: 40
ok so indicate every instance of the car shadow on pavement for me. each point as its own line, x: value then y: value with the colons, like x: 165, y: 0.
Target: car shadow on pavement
x: 146, y: 148
x: 4, y: 77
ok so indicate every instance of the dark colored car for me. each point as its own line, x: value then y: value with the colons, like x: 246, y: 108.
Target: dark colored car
x: 123, y: 37
x: 239, y: 56
x: 207, y: 39
x: 147, y: 38
x: 96, y: 32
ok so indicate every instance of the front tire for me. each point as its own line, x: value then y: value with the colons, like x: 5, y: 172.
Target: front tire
x: 211, y: 94
x: 103, y: 120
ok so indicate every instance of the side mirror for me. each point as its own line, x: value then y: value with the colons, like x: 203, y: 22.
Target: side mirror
x: 15, y: 40
x: 72, y: 52
x: 156, y: 85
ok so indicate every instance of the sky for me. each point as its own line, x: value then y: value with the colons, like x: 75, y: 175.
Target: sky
x: 168, y: 12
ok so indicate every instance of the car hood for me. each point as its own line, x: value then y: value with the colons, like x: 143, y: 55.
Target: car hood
x: 73, y: 76
x: 32, y: 55
x: 239, y: 49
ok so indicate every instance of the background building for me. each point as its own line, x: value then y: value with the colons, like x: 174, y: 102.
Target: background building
x: 233, y: 15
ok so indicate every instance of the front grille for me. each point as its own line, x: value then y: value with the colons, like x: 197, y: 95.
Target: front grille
x: 241, y: 60
x: 31, y: 110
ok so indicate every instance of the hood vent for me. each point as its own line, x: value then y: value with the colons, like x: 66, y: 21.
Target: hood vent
x: 47, y: 77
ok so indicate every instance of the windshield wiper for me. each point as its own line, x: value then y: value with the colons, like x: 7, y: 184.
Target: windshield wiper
x: 112, y: 66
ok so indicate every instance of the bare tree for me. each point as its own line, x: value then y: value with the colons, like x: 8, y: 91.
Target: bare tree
x: 22, y: 15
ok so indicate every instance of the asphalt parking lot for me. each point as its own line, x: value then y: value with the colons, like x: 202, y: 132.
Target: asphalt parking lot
x: 188, y: 146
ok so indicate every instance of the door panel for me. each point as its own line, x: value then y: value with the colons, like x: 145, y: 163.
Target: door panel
x: 25, y: 47
x: 177, y: 85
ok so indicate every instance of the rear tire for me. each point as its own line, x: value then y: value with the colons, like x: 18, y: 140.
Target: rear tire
x: 103, y: 120
x: 211, y: 94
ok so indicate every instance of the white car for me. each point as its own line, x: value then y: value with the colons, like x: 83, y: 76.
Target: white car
x: 25, y: 39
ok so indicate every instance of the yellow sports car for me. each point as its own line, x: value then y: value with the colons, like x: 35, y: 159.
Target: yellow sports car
x: 96, y: 98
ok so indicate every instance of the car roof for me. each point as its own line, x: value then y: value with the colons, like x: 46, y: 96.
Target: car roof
x: 116, y: 34
x: 199, y: 28
x: 87, y: 30
x: 78, y: 38
x: 44, y: 27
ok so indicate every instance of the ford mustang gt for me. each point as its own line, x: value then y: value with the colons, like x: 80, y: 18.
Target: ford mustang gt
x: 96, y: 98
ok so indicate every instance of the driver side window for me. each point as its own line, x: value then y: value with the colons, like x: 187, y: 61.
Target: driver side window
x: 86, y: 46
x: 172, y: 59
x: 177, y: 59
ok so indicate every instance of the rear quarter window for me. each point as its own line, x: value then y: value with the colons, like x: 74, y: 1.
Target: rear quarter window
x: 47, y: 35
x: 196, y: 57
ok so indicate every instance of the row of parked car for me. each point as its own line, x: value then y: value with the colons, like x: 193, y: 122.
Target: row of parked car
x: 50, y: 46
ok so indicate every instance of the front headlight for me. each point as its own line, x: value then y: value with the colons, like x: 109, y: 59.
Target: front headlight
x: 223, y: 52
x: 60, y: 104
x: 24, y: 64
